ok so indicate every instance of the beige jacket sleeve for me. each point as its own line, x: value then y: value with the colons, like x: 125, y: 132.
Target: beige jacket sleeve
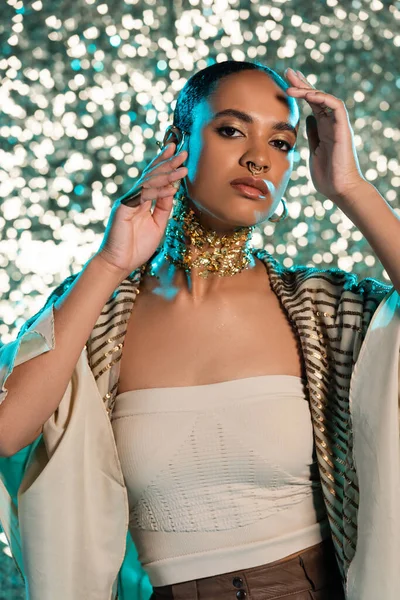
x: 36, y: 339
x: 63, y: 499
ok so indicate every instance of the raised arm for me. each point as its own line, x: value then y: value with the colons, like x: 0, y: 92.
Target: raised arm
x: 36, y: 387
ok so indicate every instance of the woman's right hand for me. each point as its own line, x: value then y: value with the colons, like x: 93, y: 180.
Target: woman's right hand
x: 133, y: 233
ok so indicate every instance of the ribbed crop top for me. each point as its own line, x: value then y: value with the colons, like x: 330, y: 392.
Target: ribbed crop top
x: 219, y: 477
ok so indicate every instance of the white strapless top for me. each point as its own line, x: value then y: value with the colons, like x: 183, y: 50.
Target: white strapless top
x: 220, y: 476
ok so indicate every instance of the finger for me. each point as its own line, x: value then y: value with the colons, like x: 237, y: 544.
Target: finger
x: 164, y: 178
x: 150, y: 186
x: 179, y: 158
x: 308, y: 93
x: 172, y: 162
x: 291, y: 74
x: 322, y: 104
x: 166, y: 153
x: 155, y: 193
x: 304, y: 79
x: 303, y: 90
x: 168, y: 190
x: 162, y: 211
x: 299, y: 78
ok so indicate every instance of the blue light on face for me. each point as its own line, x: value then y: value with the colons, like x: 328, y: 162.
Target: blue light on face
x: 115, y: 40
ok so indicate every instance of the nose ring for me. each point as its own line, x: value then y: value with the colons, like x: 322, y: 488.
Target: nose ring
x: 254, y: 169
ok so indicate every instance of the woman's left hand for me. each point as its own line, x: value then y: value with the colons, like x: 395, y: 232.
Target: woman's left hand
x: 334, y: 166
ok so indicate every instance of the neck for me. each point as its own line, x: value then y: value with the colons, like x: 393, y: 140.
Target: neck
x: 196, y: 260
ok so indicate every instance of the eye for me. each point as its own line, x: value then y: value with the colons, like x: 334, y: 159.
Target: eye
x: 226, y: 128
x: 220, y: 129
x: 288, y: 146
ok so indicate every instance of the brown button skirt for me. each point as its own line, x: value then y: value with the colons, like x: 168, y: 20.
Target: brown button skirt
x: 312, y: 575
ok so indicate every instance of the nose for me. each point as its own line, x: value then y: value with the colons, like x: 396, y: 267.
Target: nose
x: 257, y: 156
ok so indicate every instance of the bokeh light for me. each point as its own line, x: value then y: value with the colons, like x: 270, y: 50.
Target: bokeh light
x: 84, y: 100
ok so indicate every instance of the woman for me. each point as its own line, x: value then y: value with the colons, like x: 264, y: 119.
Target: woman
x: 226, y: 496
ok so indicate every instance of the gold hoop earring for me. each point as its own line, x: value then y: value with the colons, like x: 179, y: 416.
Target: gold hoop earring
x: 282, y: 216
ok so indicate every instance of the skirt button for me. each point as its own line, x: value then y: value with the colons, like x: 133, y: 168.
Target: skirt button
x: 240, y: 594
x: 237, y: 582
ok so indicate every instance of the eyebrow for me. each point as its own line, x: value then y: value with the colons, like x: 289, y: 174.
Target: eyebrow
x: 243, y: 116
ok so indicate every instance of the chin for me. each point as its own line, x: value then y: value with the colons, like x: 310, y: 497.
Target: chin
x: 250, y: 220
x: 248, y: 216
x: 245, y: 213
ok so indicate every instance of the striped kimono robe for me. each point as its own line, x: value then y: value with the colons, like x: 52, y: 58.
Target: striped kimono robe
x: 63, y: 500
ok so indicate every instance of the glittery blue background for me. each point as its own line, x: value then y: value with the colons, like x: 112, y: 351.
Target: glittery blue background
x: 87, y: 88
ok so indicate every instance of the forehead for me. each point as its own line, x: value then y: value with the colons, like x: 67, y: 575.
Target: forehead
x: 253, y: 92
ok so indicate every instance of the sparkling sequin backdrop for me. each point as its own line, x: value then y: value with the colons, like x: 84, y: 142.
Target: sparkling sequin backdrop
x: 87, y: 88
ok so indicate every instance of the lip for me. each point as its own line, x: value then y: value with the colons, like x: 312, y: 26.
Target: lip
x: 251, y: 186
x: 247, y: 191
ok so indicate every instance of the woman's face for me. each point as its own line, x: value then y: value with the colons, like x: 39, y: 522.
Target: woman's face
x: 219, y: 149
